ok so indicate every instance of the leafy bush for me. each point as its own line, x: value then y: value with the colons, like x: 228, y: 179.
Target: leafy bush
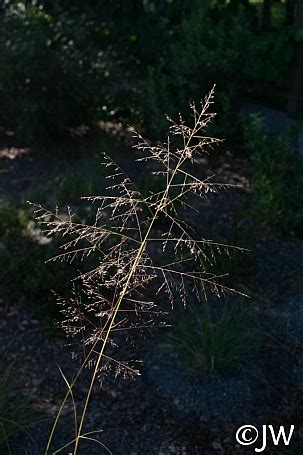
x: 52, y: 77
x: 208, y: 47
x: 14, y: 223
x: 66, y: 65
x: 203, y: 51
x: 24, y: 272
x: 277, y: 179
x: 211, y: 341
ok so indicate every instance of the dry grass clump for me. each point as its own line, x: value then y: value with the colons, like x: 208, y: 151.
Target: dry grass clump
x: 134, y: 260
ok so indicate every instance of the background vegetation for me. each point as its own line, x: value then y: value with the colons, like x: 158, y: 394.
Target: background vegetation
x: 62, y: 67
x: 74, y: 75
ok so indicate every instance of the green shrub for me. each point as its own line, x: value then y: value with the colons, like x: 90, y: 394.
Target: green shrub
x: 52, y: 74
x: 24, y: 272
x: 67, y: 64
x: 203, y: 51
x: 62, y: 66
x: 208, y: 340
x: 277, y: 179
x: 207, y: 48
x: 14, y: 223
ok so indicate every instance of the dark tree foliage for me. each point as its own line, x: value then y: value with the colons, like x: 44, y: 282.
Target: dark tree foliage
x: 64, y: 64
x: 295, y: 99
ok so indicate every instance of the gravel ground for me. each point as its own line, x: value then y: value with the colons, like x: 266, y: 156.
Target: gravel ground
x: 164, y: 411
x: 207, y: 396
